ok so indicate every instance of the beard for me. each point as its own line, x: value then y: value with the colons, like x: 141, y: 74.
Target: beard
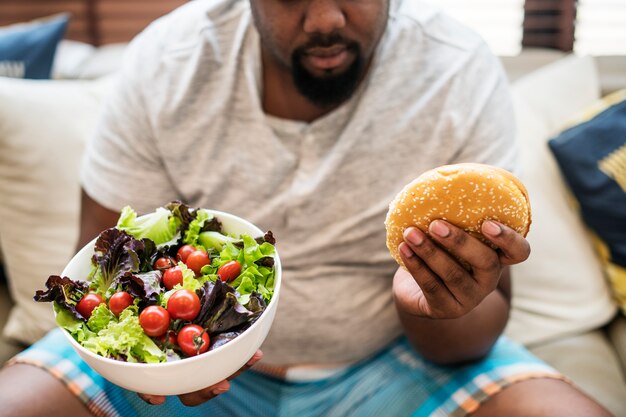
x: 330, y: 89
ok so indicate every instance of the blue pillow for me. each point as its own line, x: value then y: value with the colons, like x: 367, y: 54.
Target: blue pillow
x: 27, y: 51
x: 592, y: 159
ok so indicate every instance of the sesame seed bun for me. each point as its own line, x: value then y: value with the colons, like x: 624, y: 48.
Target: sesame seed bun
x: 463, y: 194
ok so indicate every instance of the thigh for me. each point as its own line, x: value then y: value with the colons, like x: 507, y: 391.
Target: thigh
x: 28, y: 391
x: 61, y: 380
x: 541, y: 397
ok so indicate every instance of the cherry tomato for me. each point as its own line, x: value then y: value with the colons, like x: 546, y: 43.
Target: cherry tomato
x: 154, y: 320
x: 193, y: 340
x: 172, y: 276
x: 183, y: 304
x: 163, y: 263
x: 229, y: 271
x: 119, y: 301
x: 196, y: 260
x: 169, y: 338
x: 184, y: 252
x: 86, y: 304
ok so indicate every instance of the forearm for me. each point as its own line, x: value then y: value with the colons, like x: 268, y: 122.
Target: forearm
x: 470, y: 337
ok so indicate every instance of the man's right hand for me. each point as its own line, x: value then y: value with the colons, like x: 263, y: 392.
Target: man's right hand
x: 193, y: 399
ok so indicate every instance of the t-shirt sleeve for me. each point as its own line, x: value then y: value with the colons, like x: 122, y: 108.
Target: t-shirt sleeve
x: 122, y: 165
x: 486, y: 120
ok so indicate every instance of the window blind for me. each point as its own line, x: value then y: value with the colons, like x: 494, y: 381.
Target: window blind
x: 549, y: 24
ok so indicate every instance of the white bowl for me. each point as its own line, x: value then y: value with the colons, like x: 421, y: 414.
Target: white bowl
x: 188, y: 374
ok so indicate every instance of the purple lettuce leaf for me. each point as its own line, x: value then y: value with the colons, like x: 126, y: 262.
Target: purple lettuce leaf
x: 65, y: 292
x: 182, y: 213
x: 144, y: 286
x: 223, y: 338
x: 116, y: 252
x: 220, y: 309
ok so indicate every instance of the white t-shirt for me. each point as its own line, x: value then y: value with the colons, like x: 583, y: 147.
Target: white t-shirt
x: 185, y: 122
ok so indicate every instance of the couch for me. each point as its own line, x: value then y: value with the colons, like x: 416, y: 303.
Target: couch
x: 562, y: 310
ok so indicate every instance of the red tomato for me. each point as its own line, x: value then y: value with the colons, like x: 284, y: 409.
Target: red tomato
x: 193, y: 340
x: 172, y: 276
x: 196, y: 260
x: 119, y: 301
x: 183, y: 304
x: 168, y: 338
x: 229, y: 271
x: 184, y: 252
x: 154, y: 320
x: 86, y: 304
x: 163, y: 263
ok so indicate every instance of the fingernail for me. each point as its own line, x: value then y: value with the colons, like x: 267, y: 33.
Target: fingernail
x: 492, y: 228
x: 413, y: 236
x: 155, y: 401
x: 439, y: 228
x: 218, y: 391
x: 406, y: 251
x: 257, y: 357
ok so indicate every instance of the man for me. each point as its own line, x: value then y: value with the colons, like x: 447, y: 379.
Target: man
x: 306, y: 117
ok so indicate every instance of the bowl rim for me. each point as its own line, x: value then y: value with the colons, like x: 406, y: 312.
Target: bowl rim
x: 188, y: 360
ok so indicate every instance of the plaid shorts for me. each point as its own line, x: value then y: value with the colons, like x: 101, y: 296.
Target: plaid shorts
x: 395, y: 382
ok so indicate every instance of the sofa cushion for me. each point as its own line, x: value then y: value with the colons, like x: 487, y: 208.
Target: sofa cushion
x: 560, y: 289
x: 78, y: 60
x: 592, y: 159
x: 590, y: 362
x: 27, y: 50
x: 617, y: 335
x: 70, y: 59
x: 44, y: 126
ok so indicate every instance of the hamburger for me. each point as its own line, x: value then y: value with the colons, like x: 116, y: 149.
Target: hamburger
x: 464, y: 195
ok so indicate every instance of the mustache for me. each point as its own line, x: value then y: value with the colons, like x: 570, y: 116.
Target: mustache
x: 318, y: 40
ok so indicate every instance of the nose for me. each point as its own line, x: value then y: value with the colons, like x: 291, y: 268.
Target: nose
x: 324, y: 16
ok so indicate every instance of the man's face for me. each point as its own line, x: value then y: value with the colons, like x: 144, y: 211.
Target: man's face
x: 325, y: 44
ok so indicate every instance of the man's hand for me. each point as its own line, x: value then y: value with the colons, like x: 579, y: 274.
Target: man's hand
x: 199, y: 397
x: 445, y: 288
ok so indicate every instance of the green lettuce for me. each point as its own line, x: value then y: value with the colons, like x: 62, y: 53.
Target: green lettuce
x: 100, y: 318
x: 77, y: 328
x: 257, y: 272
x: 214, y: 241
x: 160, y: 226
x: 253, y: 277
x: 206, y: 231
x: 124, y: 338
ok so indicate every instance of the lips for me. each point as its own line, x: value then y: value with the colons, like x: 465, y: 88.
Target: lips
x: 326, y: 58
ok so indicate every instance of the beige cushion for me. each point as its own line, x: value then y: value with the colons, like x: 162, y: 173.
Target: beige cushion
x: 617, y: 335
x: 560, y: 290
x: 8, y: 348
x: 43, y: 129
x: 590, y: 362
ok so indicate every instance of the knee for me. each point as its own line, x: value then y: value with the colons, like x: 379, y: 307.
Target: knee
x: 45, y: 395
x: 542, y: 397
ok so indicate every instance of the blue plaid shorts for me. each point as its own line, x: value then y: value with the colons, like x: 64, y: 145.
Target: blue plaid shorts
x: 395, y: 382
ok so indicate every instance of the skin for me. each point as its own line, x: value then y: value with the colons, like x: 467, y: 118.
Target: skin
x: 449, y: 314
x: 438, y: 296
x: 285, y: 26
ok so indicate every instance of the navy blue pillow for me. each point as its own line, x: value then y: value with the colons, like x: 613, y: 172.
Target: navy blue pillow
x: 27, y: 51
x: 592, y: 158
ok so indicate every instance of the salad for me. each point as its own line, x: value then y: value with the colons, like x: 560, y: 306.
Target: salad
x: 165, y: 286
